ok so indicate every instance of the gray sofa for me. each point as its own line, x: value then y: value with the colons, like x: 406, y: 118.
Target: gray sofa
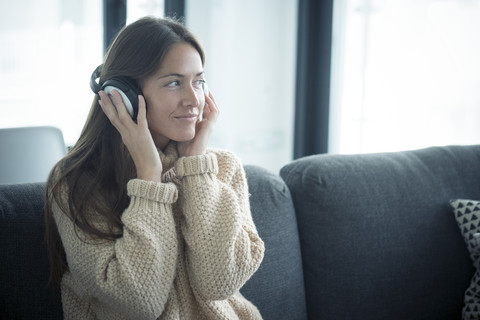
x: 347, y: 237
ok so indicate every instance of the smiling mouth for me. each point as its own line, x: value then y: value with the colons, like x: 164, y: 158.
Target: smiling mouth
x: 187, y: 117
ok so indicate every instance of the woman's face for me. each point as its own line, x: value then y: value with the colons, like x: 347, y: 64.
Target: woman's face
x: 174, y: 95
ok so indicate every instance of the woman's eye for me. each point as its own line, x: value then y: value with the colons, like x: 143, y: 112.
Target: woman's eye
x: 199, y: 82
x: 173, y: 84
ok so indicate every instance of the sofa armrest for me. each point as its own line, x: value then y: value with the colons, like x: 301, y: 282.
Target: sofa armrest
x: 277, y: 287
x: 378, y: 237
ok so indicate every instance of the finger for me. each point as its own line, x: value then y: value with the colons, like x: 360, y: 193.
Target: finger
x: 142, y: 109
x: 207, y: 111
x: 107, y: 105
x: 210, y: 96
x: 120, y: 106
x: 212, y: 104
x: 110, y: 111
x: 211, y: 110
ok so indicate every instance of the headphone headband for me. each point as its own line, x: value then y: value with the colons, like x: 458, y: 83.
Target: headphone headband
x: 93, y: 83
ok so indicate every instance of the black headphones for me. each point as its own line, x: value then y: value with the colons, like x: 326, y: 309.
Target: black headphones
x: 127, y: 88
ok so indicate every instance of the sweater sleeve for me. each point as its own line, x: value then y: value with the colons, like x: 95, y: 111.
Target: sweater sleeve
x: 223, y: 248
x: 134, y: 274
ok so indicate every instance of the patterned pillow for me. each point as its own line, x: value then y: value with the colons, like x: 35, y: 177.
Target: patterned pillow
x: 467, y: 214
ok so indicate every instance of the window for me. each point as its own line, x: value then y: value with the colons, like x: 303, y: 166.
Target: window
x: 137, y: 9
x: 49, y: 50
x: 405, y: 74
x: 250, y: 67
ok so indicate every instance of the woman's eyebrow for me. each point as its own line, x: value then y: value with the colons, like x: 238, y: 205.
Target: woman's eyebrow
x: 178, y: 75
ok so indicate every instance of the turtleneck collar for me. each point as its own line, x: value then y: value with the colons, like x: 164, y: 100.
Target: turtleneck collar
x: 169, y: 155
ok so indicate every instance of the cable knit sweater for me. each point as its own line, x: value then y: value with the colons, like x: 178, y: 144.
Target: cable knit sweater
x: 188, y: 246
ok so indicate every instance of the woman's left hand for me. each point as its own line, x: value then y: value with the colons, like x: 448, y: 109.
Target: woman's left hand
x: 203, y: 131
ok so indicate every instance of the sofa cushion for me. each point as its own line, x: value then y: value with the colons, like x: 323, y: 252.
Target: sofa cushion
x: 467, y: 214
x: 24, y: 271
x: 377, y: 234
x: 277, y: 287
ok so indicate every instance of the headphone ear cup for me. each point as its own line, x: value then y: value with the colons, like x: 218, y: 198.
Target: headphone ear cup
x: 129, y: 91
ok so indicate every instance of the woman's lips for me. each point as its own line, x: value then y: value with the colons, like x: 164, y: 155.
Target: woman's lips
x: 188, y: 117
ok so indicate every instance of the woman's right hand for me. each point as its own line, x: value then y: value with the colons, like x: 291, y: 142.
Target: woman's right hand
x: 136, y: 136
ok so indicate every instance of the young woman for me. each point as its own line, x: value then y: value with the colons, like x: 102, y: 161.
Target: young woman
x: 143, y: 220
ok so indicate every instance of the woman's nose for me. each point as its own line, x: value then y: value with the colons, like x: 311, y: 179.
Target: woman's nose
x: 192, y: 96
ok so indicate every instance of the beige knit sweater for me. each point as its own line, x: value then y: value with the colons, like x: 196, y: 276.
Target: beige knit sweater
x: 188, y: 246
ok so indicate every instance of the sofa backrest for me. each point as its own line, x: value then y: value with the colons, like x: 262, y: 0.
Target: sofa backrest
x: 24, y: 271
x: 276, y: 288
x: 379, y: 239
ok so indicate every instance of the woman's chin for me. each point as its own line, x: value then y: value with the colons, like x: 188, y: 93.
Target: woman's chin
x: 184, y: 138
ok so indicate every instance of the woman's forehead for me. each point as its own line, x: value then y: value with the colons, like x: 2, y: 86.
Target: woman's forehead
x: 181, y: 58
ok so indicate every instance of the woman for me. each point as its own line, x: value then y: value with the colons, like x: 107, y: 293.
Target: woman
x: 143, y: 220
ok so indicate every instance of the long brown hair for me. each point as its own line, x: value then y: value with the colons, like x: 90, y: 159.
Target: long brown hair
x: 93, y: 176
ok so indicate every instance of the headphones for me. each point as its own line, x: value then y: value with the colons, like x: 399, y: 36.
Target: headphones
x: 127, y: 88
